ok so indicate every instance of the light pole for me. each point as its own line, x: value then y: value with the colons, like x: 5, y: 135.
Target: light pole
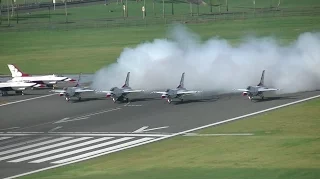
x: 0, y: 12
x: 191, y: 8
x: 227, y: 5
x: 127, y: 8
x: 198, y: 7
x: 65, y: 8
x: 172, y: 11
x: 163, y: 11
x: 145, y: 9
x: 8, y: 13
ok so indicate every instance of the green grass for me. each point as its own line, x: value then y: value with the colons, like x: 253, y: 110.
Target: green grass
x: 285, y: 144
x: 86, y: 49
x: 93, y: 14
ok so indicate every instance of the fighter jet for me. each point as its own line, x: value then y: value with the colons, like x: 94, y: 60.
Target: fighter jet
x: 47, y: 80
x: 178, y: 93
x: 18, y: 87
x: 75, y: 91
x: 257, y: 90
x: 120, y: 94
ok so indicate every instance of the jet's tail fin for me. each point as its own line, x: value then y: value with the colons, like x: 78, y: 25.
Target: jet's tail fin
x: 126, y: 83
x: 78, y: 80
x: 181, y: 85
x: 16, y: 72
x: 262, y: 79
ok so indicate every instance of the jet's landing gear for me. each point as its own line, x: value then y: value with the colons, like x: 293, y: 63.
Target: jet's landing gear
x: 126, y: 99
x: 79, y: 98
x: 169, y: 100
x: 67, y: 99
x: 114, y: 99
x: 19, y: 92
x: 3, y: 93
x: 261, y: 95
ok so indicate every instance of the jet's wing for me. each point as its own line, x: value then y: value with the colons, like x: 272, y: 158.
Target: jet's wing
x: 267, y: 89
x: 158, y: 92
x: 58, y: 91
x: 245, y: 90
x: 107, y: 92
x: 16, y: 84
x: 132, y: 91
x: 188, y: 92
x: 83, y: 90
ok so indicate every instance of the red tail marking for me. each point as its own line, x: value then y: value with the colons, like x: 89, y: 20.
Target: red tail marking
x: 22, y: 73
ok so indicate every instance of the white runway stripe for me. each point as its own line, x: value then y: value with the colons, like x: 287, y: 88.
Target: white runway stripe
x: 12, y: 141
x: 102, y: 150
x: 61, y: 149
x: 3, y: 138
x: 82, y: 150
x: 22, y: 143
x: 34, y: 145
x: 43, y: 148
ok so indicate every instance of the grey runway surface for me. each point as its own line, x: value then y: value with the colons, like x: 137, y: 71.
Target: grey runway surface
x: 11, y: 97
x: 48, y: 131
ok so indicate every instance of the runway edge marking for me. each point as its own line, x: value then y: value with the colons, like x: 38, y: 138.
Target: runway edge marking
x: 38, y: 97
x: 162, y: 138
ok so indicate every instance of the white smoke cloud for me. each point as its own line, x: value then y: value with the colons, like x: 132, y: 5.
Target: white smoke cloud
x: 216, y: 65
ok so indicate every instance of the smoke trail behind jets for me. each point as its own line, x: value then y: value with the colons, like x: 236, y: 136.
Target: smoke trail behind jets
x: 215, y: 65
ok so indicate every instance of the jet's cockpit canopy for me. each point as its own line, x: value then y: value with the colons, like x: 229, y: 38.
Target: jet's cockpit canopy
x: 112, y: 89
x: 249, y: 87
x: 167, y: 90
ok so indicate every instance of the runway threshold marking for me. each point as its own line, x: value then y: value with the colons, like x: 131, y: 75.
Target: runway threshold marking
x: 166, y: 137
x: 66, y: 150
x: 9, y: 128
x: 2, y: 138
x: 14, y: 102
x: 71, y: 134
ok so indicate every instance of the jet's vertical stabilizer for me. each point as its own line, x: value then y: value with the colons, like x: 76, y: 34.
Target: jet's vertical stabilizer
x: 15, y: 72
x: 262, y: 79
x: 181, y: 85
x: 126, y: 83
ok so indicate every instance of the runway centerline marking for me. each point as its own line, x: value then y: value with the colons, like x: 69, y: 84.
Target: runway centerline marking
x: 145, y: 128
x: 9, y: 128
x: 15, y: 102
x: 85, y: 116
x: 132, y: 105
x: 65, y: 120
x: 166, y: 137
x: 56, y: 128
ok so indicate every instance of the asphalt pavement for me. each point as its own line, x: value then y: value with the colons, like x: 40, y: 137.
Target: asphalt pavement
x: 42, y: 129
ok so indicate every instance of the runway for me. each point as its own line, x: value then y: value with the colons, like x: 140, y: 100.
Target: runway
x: 48, y: 131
